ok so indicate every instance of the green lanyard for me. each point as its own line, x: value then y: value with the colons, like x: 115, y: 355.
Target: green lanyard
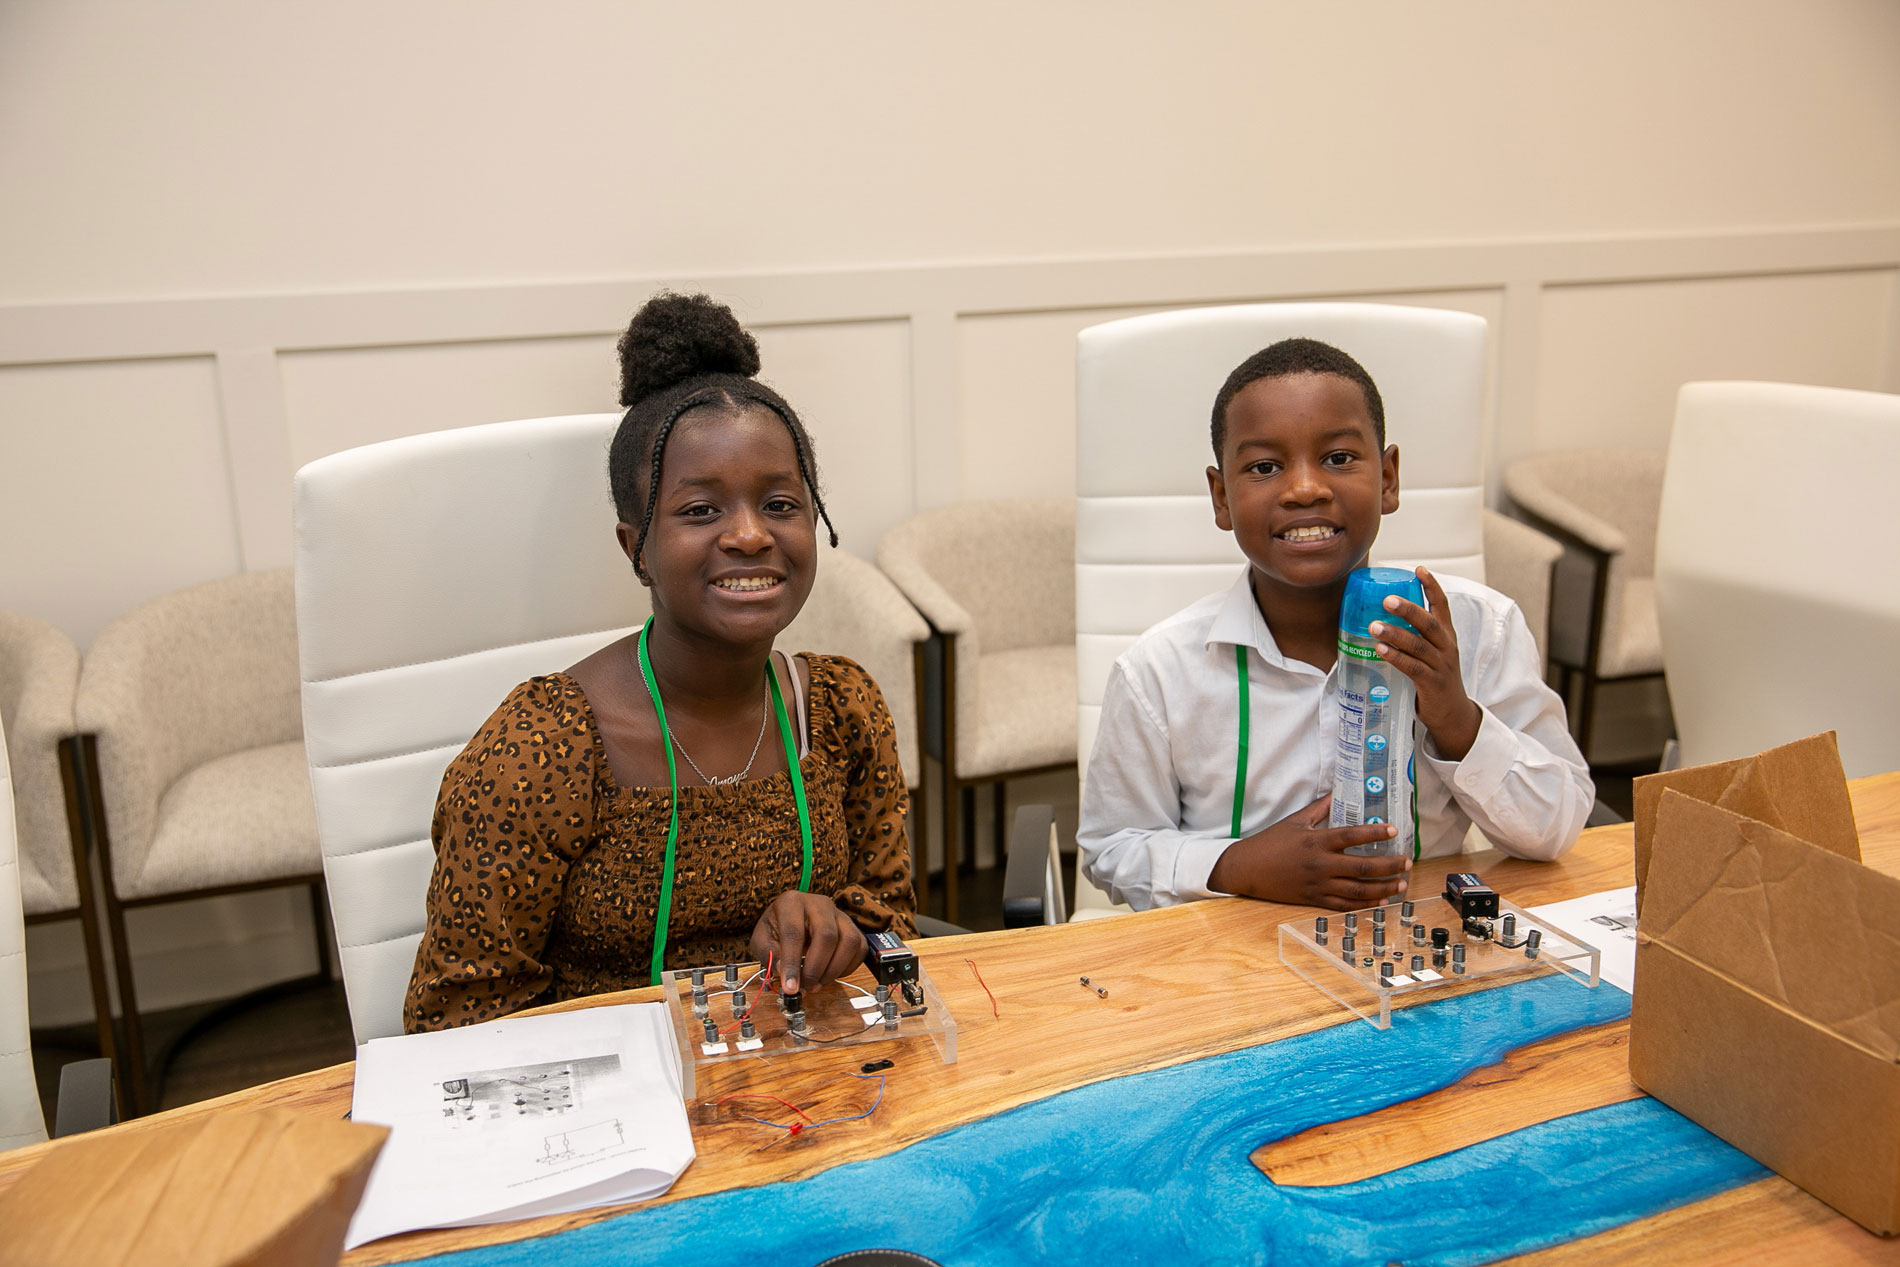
x: 663, y: 916
x: 1246, y: 728
x: 1240, y: 761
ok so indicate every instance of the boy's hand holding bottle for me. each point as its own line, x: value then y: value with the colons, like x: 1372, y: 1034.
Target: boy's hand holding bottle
x: 1430, y: 658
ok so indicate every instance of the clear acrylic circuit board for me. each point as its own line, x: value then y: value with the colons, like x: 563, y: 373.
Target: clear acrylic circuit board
x: 1393, y: 954
x: 748, y: 1018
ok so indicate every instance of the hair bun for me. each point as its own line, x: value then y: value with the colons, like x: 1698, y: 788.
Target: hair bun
x: 676, y: 337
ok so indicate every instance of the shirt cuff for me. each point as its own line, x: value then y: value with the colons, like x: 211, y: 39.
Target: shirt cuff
x: 1194, y: 864
x: 1482, y: 771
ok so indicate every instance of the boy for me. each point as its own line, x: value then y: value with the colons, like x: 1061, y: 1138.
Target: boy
x: 1304, y: 475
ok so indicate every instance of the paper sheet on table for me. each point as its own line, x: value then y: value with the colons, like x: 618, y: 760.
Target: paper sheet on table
x: 1606, y: 920
x: 520, y: 1117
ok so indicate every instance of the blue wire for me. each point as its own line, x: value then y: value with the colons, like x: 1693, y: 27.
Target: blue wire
x: 808, y: 1126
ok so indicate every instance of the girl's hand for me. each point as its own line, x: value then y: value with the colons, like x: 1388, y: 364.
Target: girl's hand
x: 1430, y: 658
x: 1302, y: 860
x: 810, y: 940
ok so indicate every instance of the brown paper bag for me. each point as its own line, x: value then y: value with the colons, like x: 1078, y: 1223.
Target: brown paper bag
x: 1767, y: 1001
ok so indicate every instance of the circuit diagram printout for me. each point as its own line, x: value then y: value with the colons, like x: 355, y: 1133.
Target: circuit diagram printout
x: 520, y: 1117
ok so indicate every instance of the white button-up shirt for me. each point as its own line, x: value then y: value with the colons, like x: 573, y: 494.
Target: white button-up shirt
x: 1157, y: 806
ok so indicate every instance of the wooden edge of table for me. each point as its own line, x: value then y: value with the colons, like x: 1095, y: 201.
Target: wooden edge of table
x: 1148, y: 1021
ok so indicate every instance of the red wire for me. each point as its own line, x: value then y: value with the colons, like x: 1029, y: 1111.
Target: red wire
x: 761, y: 1095
x: 986, y: 987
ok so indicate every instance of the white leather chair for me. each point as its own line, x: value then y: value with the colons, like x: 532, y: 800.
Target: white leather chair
x: 436, y: 572
x: 39, y: 678
x: 190, y: 750
x: 1776, y: 585
x: 1145, y: 540
x: 1602, y: 504
x: 997, y: 580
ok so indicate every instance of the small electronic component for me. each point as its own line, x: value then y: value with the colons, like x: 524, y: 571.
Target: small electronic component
x: 1099, y: 990
x: 1478, y: 929
x: 1532, y: 940
x: 1418, y: 934
x: 874, y: 1066
x: 1405, y: 909
x: 1458, y: 959
x: 1319, y: 930
x: 1385, y: 972
x: 893, y: 963
x: 1470, y: 896
x: 1378, y: 917
x: 1378, y: 939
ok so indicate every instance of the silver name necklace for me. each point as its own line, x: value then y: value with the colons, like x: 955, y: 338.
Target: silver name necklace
x: 765, y: 715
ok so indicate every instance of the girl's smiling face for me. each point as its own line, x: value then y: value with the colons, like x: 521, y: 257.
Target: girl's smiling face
x: 732, y: 550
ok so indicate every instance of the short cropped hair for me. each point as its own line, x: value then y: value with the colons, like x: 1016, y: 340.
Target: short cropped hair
x: 1295, y: 356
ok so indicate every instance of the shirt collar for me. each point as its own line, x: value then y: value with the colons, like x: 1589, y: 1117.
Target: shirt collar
x: 1239, y: 623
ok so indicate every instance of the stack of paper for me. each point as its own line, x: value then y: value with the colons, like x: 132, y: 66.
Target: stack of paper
x: 521, y: 1117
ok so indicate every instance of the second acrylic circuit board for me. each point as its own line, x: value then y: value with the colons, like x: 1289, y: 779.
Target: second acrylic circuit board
x: 1366, y: 959
x: 733, y: 1012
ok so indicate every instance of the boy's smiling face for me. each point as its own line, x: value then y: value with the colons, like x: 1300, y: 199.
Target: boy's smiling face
x: 1302, y: 482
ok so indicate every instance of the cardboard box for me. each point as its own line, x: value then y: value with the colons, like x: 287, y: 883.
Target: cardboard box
x: 1767, y: 1002
x: 262, y: 1189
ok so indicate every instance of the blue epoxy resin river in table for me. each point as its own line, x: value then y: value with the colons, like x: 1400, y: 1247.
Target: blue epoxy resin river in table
x: 1155, y: 1167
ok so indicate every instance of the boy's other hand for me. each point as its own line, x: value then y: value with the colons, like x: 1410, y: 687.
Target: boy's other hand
x: 1302, y: 860
x: 1430, y: 658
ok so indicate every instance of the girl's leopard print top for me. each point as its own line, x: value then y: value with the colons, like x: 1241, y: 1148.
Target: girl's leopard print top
x: 547, y: 872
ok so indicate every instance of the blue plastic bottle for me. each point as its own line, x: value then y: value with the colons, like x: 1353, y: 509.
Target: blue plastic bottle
x: 1373, y: 776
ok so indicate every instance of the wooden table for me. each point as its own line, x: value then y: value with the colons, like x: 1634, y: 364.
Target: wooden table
x: 1160, y: 1014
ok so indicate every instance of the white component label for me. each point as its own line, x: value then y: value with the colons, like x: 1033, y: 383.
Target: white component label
x: 871, y: 1018
x: 751, y: 1044
x: 713, y: 1049
x: 1426, y: 974
x: 861, y: 1002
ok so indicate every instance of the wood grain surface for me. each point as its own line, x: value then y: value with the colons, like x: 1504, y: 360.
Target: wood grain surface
x: 1176, y: 980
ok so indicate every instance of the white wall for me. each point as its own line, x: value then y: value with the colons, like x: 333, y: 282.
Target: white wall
x: 237, y: 236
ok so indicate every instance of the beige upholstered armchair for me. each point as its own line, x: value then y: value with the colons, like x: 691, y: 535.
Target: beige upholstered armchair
x: 1521, y: 562
x: 997, y: 580
x: 1602, y: 505
x: 39, y: 674
x: 191, y: 743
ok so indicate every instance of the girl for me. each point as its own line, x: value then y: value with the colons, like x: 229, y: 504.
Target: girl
x: 684, y: 796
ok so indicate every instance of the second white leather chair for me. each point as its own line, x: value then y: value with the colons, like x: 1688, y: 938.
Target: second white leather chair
x: 1776, y: 586
x: 1146, y: 543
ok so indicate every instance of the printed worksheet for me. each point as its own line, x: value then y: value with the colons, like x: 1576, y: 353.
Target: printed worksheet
x: 520, y: 1117
x: 1606, y: 920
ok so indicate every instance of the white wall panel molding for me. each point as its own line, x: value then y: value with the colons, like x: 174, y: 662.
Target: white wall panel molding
x: 35, y: 333
x: 927, y: 384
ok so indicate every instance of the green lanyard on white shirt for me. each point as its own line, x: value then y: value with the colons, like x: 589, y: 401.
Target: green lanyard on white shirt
x: 1246, y: 727
x: 662, y: 916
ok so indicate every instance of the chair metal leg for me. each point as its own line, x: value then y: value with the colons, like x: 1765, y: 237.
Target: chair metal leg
x: 966, y: 848
x: 76, y: 815
x: 136, y: 1093
x: 320, y: 916
x: 999, y: 810
x: 952, y: 836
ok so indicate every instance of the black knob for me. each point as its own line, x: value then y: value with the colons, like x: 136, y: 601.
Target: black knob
x: 1440, y: 936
